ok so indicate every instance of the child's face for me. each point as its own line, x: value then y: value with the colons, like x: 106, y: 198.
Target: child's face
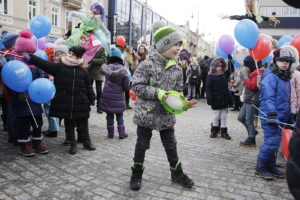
x: 283, y: 64
x: 218, y: 68
x: 172, y: 52
x: 71, y: 55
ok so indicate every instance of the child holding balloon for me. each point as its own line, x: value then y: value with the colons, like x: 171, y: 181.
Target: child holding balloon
x: 151, y: 81
x: 112, y: 98
x: 74, y: 93
x: 27, y: 112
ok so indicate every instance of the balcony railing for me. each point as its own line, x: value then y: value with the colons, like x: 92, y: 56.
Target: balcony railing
x: 72, y: 4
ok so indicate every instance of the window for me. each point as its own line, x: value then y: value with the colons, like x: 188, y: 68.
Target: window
x: 33, y: 9
x: 4, y: 7
x: 54, y: 15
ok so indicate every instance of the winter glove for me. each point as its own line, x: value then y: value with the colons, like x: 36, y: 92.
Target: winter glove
x: 160, y: 94
x: 272, y: 119
x: 292, y: 122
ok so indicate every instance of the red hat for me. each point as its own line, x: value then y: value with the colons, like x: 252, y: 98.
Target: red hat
x: 25, y: 43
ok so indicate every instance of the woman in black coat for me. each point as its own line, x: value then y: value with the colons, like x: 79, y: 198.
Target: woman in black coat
x: 74, y: 93
x: 218, y: 96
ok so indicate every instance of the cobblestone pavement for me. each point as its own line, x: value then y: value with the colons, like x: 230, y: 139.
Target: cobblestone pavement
x: 220, y: 169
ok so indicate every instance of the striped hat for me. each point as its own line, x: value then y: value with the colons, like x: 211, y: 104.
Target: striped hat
x: 9, y: 38
x: 165, y: 38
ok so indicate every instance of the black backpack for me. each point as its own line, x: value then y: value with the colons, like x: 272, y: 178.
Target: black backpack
x: 194, y: 76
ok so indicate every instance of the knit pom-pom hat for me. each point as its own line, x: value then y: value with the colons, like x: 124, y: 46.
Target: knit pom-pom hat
x: 165, y: 38
x: 25, y: 43
x: 8, y: 38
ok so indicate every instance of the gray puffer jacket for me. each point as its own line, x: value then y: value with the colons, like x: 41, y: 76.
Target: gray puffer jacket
x: 152, y: 74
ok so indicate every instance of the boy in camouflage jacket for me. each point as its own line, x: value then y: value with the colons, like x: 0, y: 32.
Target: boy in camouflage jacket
x: 153, y: 77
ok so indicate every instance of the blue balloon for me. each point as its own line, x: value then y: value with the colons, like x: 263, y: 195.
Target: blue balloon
x: 40, y: 26
x: 284, y: 39
x: 236, y: 63
x: 267, y: 59
x: 16, y: 75
x: 220, y: 53
x: 41, y: 90
x: 246, y: 33
x: 1, y: 45
x: 42, y: 54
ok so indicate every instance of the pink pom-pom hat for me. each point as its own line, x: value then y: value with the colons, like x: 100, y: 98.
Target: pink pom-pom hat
x: 25, y: 43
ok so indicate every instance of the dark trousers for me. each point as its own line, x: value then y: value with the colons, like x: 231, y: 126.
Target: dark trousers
x: 127, y: 98
x: 25, y: 123
x: 237, y: 102
x: 12, y: 125
x: 203, y: 87
x: 82, y: 128
x: 98, y: 91
x: 110, y: 119
x: 143, y: 143
x: 4, y: 112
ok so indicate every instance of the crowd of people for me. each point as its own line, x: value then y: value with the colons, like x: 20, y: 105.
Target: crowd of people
x: 269, y: 92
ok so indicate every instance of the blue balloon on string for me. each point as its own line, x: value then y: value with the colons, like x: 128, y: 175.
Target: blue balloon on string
x: 40, y: 26
x: 220, y: 53
x: 246, y: 33
x: 42, y: 54
x: 16, y: 75
x: 41, y: 90
x: 284, y: 40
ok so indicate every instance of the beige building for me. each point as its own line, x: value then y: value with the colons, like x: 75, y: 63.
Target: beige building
x: 15, y: 15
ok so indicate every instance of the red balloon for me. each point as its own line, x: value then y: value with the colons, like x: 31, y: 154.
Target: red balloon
x: 286, y: 136
x: 296, y: 43
x: 262, y: 48
x: 120, y: 40
x: 132, y: 95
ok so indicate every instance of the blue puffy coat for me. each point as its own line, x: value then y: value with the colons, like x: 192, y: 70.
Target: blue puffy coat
x: 274, y: 98
x: 275, y: 95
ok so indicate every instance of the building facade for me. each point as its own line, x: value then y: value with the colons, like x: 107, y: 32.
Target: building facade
x: 131, y: 18
x: 289, y: 18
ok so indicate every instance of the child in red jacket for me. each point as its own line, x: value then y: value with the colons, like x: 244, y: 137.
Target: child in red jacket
x: 251, y: 100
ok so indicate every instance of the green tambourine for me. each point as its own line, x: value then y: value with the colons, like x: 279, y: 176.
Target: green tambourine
x: 175, y: 102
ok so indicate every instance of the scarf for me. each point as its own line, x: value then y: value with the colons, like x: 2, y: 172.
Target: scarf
x: 282, y: 74
x: 71, y: 61
x: 216, y: 73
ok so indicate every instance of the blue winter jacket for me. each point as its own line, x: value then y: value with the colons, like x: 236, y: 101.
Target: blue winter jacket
x: 275, y: 96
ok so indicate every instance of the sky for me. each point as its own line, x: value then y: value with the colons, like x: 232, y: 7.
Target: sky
x: 179, y: 11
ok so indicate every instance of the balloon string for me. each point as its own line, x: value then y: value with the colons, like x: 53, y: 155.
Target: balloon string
x: 257, y: 80
x: 31, y: 113
x: 6, y: 53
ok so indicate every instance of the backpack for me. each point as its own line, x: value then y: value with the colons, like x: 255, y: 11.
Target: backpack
x: 194, y: 76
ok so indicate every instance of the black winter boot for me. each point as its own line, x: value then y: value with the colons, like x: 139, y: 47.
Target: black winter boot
x: 214, y: 131
x: 179, y: 177
x: 73, y: 147
x: 224, y: 134
x: 136, y: 177
x: 87, y: 143
x: 249, y: 142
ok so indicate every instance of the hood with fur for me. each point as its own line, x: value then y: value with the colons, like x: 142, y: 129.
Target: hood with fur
x: 114, y: 71
x: 214, y: 63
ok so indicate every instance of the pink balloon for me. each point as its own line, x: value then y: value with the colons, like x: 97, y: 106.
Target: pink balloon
x: 226, y: 44
x: 40, y: 43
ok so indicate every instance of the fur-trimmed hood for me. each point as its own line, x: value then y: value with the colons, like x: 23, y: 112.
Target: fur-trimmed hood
x: 114, y: 71
x: 215, y: 61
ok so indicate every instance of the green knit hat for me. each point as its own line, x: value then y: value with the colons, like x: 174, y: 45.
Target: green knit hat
x: 165, y: 38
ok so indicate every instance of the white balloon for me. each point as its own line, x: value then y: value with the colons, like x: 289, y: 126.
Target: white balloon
x: 174, y: 102
x: 240, y: 53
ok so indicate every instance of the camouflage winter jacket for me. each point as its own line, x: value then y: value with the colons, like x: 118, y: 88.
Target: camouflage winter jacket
x: 152, y: 74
